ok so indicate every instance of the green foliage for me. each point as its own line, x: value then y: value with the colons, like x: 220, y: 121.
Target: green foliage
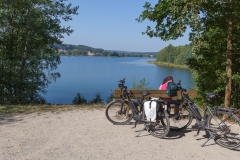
x: 97, y: 99
x: 110, y: 98
x: 29, y: 30
x: 214, y: 38
x: 79, y: 99
x: 175, y: 55
x: 140, y: 85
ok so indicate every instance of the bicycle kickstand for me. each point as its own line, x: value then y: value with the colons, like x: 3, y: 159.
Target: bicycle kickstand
x: 144, y: 128
x: 211, y: 136
x: 197, y: 132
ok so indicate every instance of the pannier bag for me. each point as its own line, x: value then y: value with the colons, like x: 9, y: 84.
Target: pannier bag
x: 171, y: 89
x: 151, y: 108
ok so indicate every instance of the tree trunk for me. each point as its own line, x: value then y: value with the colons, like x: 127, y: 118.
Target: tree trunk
x: 24, y: 57
x: 229, y: 59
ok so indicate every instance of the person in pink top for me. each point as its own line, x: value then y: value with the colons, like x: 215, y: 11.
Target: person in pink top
x: 164, y: 83
x: 163, y: 86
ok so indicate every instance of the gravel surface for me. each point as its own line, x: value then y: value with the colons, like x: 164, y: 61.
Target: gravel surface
x: 87, y: 134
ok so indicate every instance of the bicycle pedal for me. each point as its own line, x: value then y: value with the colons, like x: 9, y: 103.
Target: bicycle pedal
x: 197, y: 132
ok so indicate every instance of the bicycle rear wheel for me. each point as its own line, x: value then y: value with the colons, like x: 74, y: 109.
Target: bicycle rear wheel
x: 180, y: 118
x: 161, y: 128
x: 119, y: 112
x: 228, y: 132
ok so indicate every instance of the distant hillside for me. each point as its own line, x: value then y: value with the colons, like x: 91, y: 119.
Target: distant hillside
x: 82, y: 50
x: 128, y: 52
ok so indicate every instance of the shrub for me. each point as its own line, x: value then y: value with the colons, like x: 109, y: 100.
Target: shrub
x: 140, y: 85
x: 110, y: 98
x: 97, y: 99
x: 79, y: 99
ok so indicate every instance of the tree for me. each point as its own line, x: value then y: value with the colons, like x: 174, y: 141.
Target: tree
x: 217, y: 19
x: 28, y: 31
x: 79, y: 99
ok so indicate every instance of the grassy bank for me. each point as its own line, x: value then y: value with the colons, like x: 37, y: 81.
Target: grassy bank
x: 26, y: 109
x: 165, y: 64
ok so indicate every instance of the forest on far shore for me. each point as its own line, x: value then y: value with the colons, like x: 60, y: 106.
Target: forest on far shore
x: 82, y: 50
x: 177, y: 55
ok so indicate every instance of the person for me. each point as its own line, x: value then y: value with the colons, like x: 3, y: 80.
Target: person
x: 165, y: 82
x: 171, y: 103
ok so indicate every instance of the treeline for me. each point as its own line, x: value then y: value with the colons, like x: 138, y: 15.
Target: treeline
x: 28, y: 62
x: 82, y: 50
x: 175, y: 55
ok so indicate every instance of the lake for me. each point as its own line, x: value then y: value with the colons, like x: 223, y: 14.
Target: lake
x: 91, y: 75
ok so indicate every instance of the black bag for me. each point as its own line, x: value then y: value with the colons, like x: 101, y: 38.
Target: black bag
x: 171, y: 89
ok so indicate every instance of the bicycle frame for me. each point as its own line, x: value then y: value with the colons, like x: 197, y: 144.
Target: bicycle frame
x: 128, y: 95
x: 201, y: 120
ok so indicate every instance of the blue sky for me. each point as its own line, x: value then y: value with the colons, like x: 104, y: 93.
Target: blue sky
x: 111, y: 25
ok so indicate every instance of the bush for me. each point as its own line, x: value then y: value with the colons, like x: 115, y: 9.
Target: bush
x: 110, y: 98
x: 97, y: 99
x: 140, y: 85
x: 79, y: 99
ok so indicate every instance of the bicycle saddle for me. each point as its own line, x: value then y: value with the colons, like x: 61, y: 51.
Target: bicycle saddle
x: 211, y: 95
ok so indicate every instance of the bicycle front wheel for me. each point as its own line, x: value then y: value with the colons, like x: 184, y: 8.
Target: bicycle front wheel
x: 119, y: 112
x: 161, y: 128
x: 226, y: 130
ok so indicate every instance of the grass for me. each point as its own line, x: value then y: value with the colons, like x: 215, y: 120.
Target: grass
x: 26, y: 109
x: 166, y: 64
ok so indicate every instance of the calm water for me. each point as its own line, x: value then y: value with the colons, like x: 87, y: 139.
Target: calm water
x: 92, y: 75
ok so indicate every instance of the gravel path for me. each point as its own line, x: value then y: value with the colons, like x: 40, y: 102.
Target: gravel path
x: 87, y: 134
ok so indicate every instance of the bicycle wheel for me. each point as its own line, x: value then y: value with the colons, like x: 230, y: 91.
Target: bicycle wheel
x: 228, y: 132
x: 180, y: 118
x: 119, y: 112
x: 160, y: 128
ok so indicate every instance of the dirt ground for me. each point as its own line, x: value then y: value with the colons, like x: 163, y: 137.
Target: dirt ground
x: 88, y: 135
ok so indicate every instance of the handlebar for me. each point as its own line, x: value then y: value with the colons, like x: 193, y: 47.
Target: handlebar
x: 179, y: 87
x: 121, y: 84
x: 128, y: 93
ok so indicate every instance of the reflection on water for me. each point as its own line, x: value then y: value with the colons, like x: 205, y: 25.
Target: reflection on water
x: 141, y: 62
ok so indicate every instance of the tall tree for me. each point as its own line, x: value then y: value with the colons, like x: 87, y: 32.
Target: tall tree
x: 29, y: 29
x: 215, y: 18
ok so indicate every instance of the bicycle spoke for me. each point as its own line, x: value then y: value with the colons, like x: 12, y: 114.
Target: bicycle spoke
x: 161, y: 128
x: 118, y: 113
x: 180, y: 120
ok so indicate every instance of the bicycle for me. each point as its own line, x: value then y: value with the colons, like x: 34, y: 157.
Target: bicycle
x: 180, y: 115
x: 122, y: 111
x: 217, y: 122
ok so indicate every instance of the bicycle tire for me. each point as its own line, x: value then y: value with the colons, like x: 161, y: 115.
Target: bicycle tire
x: 182, y: 121
x: 159, y: 130
x: 115, y: 115
x: 229, y: 135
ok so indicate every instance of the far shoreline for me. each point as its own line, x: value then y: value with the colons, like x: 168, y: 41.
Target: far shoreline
x: 166, y: 64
